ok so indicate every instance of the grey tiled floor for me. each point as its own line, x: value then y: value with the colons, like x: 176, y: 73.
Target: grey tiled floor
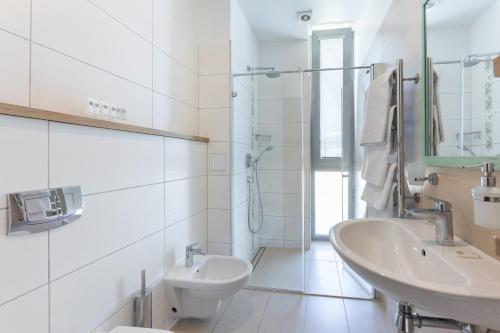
x: 253, y: 311
x: 324, y: 272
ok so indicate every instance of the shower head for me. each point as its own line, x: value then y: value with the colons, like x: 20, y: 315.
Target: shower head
x: 253, y: 68
x: 268, y: 71
x: 470, y: 62
x: 268, y: 148
x: 273, y: 74
x: 474, y: 59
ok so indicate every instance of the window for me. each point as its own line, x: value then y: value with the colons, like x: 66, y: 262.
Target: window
x: 331, y: 84
x: 332, y: 120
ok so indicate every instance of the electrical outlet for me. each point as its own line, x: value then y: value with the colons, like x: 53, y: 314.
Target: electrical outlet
x: 90, y: 106
x: 104, y: 110
x: 112, y: 111
x: 120, y: 113
x: 97, y: 108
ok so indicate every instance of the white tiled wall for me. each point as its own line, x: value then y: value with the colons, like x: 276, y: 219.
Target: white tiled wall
x: 449, y: 75
x: 280, y: 115
x: 460, y: 42
x: 13, y: 314
x: 214, y: 119
x: 140, y: 210
x: 480, y: 43
x: 244, y: 51
x: 138, y: 55
x: 145, y: 197
x: 14, y: 69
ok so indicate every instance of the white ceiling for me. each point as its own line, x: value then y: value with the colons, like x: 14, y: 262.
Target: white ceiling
x: 273, y: 20
x: 455, y: 13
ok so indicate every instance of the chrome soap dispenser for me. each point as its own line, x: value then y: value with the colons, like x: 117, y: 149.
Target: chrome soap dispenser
x: 486, y: 199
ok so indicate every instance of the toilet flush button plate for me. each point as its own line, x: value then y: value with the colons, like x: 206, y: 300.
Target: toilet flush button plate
x: 41, y: 210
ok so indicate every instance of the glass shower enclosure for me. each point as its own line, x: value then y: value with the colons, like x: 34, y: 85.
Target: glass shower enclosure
x: 270, y: 161
x: 272, y: 208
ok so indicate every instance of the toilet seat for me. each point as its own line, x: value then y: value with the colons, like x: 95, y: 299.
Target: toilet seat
x: 127, y: 329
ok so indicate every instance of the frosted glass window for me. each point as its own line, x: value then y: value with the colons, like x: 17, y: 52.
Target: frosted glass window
x: 331, y: 83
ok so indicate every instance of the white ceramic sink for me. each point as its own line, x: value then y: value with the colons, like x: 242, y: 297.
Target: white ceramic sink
x: 401, y: 258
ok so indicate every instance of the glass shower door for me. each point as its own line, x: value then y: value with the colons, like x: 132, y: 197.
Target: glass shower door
x: 333, y: 163
x: 274, y: 212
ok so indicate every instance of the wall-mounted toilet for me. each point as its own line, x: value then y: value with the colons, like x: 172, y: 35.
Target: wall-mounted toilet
x: 197, y: 291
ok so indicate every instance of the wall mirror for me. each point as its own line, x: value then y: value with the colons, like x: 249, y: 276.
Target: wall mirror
x: 462, y: 80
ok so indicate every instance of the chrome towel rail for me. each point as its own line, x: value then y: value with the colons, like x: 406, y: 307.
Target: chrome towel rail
x: 399, y: 80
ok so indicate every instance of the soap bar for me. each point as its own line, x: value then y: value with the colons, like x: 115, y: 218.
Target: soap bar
x: 467, y: 254
x: 496, y: 66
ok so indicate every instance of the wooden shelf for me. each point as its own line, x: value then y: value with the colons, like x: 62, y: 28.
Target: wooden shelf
x: 27, y: 112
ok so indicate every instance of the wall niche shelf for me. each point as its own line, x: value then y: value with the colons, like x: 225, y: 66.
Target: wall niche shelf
x: 27, y: 112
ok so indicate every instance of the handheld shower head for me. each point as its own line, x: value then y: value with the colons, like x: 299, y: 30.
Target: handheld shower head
x: 268, y: 148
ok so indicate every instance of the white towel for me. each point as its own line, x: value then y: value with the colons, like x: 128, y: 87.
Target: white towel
x: 438, y: 125
x: 379, y: 197
x: 438, y: 129
x: 376, y: 157
x: 377, y: 107
x: 391, y: 201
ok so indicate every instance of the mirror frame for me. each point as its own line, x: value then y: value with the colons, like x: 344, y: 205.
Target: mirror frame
x: 446, y: 161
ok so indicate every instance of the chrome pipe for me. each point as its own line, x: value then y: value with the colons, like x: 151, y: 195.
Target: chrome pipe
x: 484, y: 55
x: 471, y: 56
x: 297, y: 71
x: 399, y: 80
x: 450, y: 62
x: 310, y: 70
x: 400, y: 137
x: 407, y: 320
x: 335, y: 69
x: 250, y: 68
x: 429, y: 101
x: 372, y: 72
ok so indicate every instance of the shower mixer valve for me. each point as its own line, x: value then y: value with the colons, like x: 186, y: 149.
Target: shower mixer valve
x: 248, y: 160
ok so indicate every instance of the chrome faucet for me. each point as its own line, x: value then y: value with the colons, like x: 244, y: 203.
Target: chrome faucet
x: 191, y: 252
x: 441, y: 216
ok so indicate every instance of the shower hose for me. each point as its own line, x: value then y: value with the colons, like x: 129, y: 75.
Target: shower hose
x: 250, y: 215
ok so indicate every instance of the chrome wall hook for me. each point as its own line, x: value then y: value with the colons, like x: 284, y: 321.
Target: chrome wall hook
x: 433, y: 178
x: 415, y: 79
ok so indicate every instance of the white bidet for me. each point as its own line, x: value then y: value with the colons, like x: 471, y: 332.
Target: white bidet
x: 197, y: 291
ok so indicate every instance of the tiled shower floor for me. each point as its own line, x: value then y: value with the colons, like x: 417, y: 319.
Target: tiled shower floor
x: 280, y: 268
x: 255, y: 311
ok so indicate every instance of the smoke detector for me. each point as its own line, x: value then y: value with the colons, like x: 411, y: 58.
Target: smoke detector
x: 304, y: 16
